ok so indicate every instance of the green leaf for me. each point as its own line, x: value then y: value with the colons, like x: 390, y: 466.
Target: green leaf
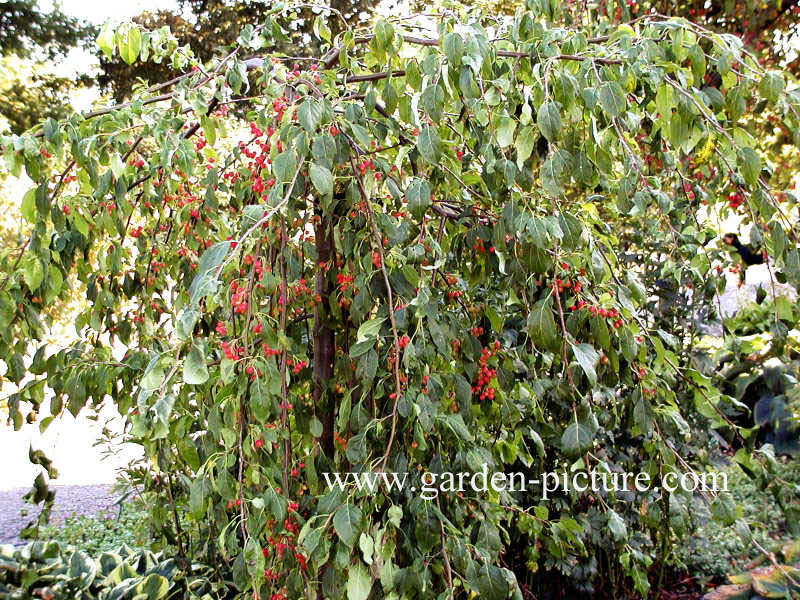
x: 542, y: 323
x: 432, y: 101
x: 32, y: 271
x: 488, y: 581
x: 418, y: 196
x: 384, y: 33
x: 321, y: 29
x: 130, y: 43
x: 359, y: 582
x: 284, y: 166
x: 548, y: 118
x: 524, y: 145
x: 612, y: 99
x: 310, y: 114
x: 587, y: 358
x: 105, y: 40
x: 322, y: 179
x: 576, y: 439
x: 369, y: 329
x: 771, y: 86
x: 429, y: 145
x: 506, y: 126
x: 204, y: 282
x: 28, y: 207
x: 367, y: 367
x: 152, y: 587
x: 750, y: 164
x: 453, y: 47
x: 82, y: 568
x: 195, y: 370
x: 347, y: 523
x: 617, y: 527
x: 367, y: 546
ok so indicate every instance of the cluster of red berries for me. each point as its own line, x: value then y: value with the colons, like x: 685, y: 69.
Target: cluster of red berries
x: 566, y: 284
x: 606, y: 313
x: 253, y: 372
x: 279, y: 105
x: 239, y: 298
x: 344, y: 281
x: 296, y: 366
x: 109, y: 206
x: 231, y: 352
x: 366, y: 165
x: 735, y: 201
x: 295, y: 73
x: 481, y: 387
x: 404, y: 341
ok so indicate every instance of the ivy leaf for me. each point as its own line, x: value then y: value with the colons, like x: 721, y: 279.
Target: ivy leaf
x: 418, y: 195
x: 322, y: 179
x: 612, y: 99
x: 576, y: 439
x: 548, y: 118
x: 359, y: 582
x: 195, y: 370
x: 429, y: 145
x: 347, y: 523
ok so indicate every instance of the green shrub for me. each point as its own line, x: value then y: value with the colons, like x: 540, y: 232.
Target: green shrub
x: 97, y: 534
x: 56, y: 572
x: 715, y: 550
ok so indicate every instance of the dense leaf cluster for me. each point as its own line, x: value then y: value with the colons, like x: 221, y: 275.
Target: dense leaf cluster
x: 411, y: 257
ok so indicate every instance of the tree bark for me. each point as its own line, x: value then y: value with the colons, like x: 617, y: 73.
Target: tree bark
x: 323, y: 336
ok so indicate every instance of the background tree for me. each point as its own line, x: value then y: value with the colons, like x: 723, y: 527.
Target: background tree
x: 30, y: 40
x: 209, y: 24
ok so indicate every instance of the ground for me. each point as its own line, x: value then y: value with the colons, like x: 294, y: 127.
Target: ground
x: 70, y: 499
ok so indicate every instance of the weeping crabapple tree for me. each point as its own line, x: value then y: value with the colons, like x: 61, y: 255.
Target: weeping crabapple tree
x: 401, y: 256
